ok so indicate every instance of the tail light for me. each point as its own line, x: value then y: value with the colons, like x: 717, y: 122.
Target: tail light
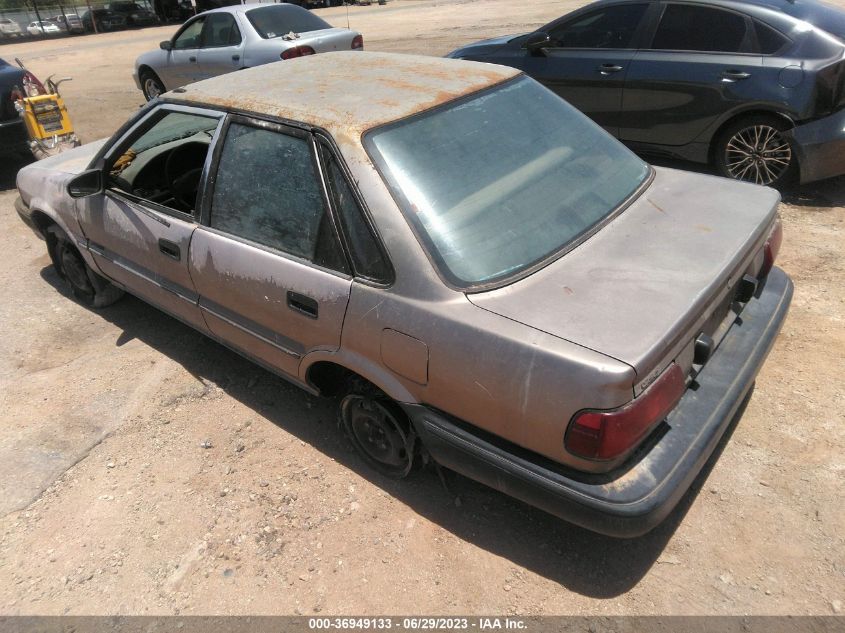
x: 297, y: 51
x: 32, y: 87
x: 771, y: 249
x: 357, y: 42
x: 608, y: 434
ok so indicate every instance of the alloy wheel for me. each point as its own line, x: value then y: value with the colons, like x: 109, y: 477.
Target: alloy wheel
x: 759, y: 154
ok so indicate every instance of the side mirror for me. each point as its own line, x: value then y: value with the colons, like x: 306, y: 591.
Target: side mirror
x: 537, y: 41
x: 166, y: 45
x: 86, y: 184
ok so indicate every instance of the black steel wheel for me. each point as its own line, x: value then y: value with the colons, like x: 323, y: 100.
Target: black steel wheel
x: 757, y: 150
x: 380, y: 433
x: 84, y: 284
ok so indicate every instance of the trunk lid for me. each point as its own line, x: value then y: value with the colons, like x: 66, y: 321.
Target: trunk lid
x: 656, y: 276
x: 327, y: 40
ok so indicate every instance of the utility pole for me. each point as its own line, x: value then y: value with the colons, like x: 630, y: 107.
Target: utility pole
x: 38, y: 16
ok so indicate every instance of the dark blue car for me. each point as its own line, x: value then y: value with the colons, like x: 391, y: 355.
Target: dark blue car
x: 756, y: 88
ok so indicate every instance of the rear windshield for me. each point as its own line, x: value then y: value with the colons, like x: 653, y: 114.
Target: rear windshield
x: 277, y: 20
x: 499, y: 182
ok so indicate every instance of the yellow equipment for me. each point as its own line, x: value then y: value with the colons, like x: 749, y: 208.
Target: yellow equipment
x: 46, y: 117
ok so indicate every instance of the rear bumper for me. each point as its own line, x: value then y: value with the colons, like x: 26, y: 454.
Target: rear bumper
x: 630, y: 503
x: 13, y: 136
x: 821, y: 147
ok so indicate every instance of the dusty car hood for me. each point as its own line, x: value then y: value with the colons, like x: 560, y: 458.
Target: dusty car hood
x: 645, y: 279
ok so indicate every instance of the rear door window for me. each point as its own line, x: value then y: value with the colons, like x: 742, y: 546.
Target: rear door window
x: 221, y: 30
x: 688, y: 27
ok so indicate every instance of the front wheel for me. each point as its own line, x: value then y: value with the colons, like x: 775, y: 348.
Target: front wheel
x: 757, y: 150
x: 151, y: 85
x: 84, y: 284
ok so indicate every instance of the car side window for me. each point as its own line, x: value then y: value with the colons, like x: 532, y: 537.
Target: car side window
x: 163, y: 164
x: 367, y: 257
x: 687, y: 27
x: 191, y: 35
x: 221, y: 30
x: 268, y: 191
x: 611, y: 27
x: 769, y: 41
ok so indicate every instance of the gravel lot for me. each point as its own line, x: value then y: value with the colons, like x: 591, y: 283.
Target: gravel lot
x: 109, y: 504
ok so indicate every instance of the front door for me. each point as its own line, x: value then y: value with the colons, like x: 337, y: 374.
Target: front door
x: 139, y: 230
x: 182, y: 65
x: 588, y: 59
x: 272, y: 278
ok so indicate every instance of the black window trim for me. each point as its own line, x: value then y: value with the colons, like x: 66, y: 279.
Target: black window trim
x: 329, y: 151
x: 281, y: 127
x: 747, y: 41
x: 140, y: 126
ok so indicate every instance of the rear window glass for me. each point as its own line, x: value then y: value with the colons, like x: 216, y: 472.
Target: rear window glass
x: 501, y: 181
x: 278, y: 20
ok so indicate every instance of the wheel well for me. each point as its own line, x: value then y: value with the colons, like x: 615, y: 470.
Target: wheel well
x: 331, y: 379
x: 42, y: 221
x: 770, y: 114
x: 146, y: 69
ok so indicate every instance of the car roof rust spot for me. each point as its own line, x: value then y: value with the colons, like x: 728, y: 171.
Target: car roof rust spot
x: 347, y: 93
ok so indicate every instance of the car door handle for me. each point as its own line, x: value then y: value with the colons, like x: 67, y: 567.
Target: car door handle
x: 192, y: 59
x: 171, y: 249
x: 734, y: 75
x: 302, y: 304
x: 235, y: 58
x: 606, y: 69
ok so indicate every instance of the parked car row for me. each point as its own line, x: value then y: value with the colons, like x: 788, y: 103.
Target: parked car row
x: 117, y: 15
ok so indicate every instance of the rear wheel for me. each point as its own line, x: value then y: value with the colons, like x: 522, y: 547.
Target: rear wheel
x: 756, y: 149
x: 380, y: 432
x: 151, y: 85
x: 84, y: 284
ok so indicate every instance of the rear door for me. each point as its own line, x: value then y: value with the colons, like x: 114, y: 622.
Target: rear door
x: 588, y: 59
x: 139, y: 230
x: 698, y: 67
x: 222, y: 47
x: 272, y: 278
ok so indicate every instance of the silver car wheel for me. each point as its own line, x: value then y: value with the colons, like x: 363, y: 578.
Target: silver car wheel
x: 152, y: 88
x: 758, y: 154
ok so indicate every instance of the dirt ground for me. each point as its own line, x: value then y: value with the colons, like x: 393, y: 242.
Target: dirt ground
x: 110, y: 505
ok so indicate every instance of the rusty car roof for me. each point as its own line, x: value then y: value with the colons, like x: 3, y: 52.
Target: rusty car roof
x: 346, y: 93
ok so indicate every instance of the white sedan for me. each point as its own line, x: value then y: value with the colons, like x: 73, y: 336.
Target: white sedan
x: 43, y: 28
x: 236, y: 37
